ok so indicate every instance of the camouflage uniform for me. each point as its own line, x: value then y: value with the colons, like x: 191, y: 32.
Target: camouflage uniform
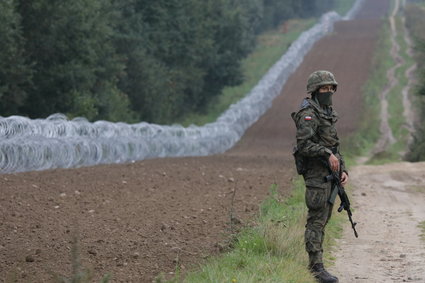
x: 316, y: 139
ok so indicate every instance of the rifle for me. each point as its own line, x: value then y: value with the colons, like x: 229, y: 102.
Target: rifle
x: 334, y: 177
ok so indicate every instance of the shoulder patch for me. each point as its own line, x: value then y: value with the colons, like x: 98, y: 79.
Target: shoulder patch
x: 307, y: 118
x: 304, y: 104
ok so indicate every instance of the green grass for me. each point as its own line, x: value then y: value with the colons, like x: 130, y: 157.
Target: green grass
x: 362, y: 141
x: 422, y: 227
x: 395, y: 103
x: 272, y: 251
x: 417, y: 188
x: 414, y: 16
x: 270, y: 47
x: 343, y: 6
x: 397, y: 120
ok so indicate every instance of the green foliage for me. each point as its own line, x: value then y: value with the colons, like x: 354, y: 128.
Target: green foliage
x: 130, y: 60
x: 395, y: 100
x: 343, y: 6
x: 415, y: 21
x: 269, y: 48
x: 75, y: 63
x: 15, y: 73
x: 316, y: 8
x: 180, y: 53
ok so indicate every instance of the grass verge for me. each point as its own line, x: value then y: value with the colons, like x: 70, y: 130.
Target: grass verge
x: 422, y: 227
x: 343, y: 6
x: 273, y: 250
x: 397, y: 120
x: 415, y: 15
x: 362, y: 141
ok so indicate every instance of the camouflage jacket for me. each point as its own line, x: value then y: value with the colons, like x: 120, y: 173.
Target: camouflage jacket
x: 317, y: 138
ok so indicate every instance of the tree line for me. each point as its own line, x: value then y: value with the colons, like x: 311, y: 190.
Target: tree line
x: 415, y: 22
x: 129, y: 60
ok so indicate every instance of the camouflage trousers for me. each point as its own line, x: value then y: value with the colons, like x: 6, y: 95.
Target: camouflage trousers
x: 319, y: 213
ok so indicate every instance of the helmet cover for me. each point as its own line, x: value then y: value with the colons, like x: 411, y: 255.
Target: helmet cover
x: 320, y: 78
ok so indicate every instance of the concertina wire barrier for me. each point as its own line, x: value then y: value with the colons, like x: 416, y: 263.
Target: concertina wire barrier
x: 56, y: 142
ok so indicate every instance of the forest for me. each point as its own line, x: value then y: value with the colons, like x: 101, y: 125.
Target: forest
x: 129, y: 60
x: 415, y: 22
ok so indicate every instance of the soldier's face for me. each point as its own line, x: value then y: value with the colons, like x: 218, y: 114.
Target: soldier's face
x: 327, y: 88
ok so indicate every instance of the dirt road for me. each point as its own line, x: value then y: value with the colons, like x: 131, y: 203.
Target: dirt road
x: 389, y: 203
x: 135, y: 221
x: 389, y: 206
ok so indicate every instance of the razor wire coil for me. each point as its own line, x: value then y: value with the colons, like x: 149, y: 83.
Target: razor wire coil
x: 56, y: 142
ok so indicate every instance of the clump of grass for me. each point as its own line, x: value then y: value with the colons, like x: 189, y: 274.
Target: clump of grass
x: 419, y: 189
x: 273, y: 250
x: 422, y: 227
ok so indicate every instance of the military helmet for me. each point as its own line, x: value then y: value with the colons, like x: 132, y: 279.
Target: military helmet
x: 320, y: 78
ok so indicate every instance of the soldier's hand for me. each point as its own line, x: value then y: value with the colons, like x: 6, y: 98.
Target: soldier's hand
x: 334, y: 163
x: 344, y: 178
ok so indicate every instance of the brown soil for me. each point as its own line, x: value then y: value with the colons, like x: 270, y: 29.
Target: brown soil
x: 135, y: 221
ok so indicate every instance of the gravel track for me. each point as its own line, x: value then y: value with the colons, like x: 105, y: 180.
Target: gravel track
x: 389, y: 206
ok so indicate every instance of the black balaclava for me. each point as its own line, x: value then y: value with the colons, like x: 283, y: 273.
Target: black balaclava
x: 323, y: 98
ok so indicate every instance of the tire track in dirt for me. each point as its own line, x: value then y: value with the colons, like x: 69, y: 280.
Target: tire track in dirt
x: 389, y: 203
x: 387, y: 137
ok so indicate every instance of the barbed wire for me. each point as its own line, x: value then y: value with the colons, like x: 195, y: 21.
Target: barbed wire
x: 56, y: 142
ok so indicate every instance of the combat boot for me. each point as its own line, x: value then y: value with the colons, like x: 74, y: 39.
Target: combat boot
x: 321, y: 275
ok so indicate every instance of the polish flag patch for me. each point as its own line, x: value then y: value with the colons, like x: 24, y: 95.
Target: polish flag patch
x: 307, y: 118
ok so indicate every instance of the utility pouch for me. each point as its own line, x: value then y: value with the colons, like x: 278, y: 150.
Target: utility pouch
x: 299, y: 161
x: 333, y: 195
x: 334, y: 190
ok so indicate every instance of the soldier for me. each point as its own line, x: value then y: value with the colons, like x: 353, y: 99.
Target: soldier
x: 316, y: 153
